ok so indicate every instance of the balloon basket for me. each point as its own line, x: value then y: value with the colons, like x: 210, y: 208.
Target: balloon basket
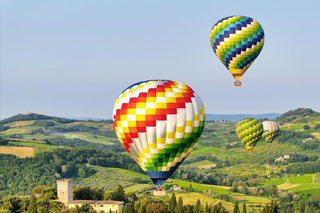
x: 269, y: 145
x: 249, y: 152
x: 237, y: 83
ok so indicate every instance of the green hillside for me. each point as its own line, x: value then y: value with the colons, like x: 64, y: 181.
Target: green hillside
x: 219, y: 167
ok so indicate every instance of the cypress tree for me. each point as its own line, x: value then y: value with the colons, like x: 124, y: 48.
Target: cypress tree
x: 179, y: 207
x: 274, y: 207
x: 206, y: 210
x: 236, y: 208
x: 32, y: 205
x: 244, y: 210
x: 197, y: 208
x: 173, y: 203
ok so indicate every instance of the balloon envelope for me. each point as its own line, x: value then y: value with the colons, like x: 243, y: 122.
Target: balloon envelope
x: 249, y: 131
x: 158, y: 122
x: 237, y: 41
x: 270, y: 130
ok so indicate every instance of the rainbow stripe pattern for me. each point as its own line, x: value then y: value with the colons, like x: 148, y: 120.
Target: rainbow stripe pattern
x: 159, y: 123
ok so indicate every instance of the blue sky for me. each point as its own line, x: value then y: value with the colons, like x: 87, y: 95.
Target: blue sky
x: 74, y: 58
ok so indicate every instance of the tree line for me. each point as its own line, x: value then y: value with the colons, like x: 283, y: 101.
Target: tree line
x: 20, y: 175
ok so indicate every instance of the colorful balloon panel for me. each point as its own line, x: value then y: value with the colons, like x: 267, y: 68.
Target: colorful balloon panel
x: 237, y: 41
x: 270, y: 130
x: 249, y: 131
x: 159, y: 122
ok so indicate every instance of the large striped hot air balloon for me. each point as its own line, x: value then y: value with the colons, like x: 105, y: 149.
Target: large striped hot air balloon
x: 270, y: 130
x: 237, y: 41
x: 249, y: 131
x: 158, y: 122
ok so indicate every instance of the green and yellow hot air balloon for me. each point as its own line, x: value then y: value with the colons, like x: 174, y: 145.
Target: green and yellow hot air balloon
x: 270, y: 130
x: 249, y: 131
x: 237, y: 41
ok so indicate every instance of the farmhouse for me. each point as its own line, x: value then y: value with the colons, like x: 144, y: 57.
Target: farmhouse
x: 176, y: 188
x: 280, y: 159
x: 286, y: 156
x: 65, y: 196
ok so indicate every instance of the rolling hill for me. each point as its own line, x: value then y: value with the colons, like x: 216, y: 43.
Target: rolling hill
x: 219, y: 167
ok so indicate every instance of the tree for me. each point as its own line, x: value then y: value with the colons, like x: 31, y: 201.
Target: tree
x: 12, y: 203
x: 206, y: 210
x: 197, y: 208
x: 244, y: 210
x: 32, y: 204
x: 120, y: 190
x: 236, y: 208
x: 274, y: 206
x: 179, y: 207
x: 173, y: 203
x: 129, y: 208
x: 189, y: 209
x: 306, y: 127
x: 157, y: 208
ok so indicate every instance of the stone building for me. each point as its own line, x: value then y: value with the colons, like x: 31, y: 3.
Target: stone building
x: 65, y: 196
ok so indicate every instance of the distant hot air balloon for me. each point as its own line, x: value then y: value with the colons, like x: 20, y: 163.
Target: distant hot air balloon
x: 270, y: 130
x: 249, y: 131
x: 159, y: 123
x: 237, y: 42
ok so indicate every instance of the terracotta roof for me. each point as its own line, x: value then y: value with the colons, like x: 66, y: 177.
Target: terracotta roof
x: 96, y: 202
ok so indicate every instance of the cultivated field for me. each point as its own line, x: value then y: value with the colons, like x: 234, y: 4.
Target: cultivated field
x: 20, y: 152
x: 20, y: 123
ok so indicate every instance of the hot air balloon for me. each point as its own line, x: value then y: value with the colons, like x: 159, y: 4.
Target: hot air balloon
x: 159, y: 123
x: 249, y: 131
x: 270, y: 130
x: 237, y: 41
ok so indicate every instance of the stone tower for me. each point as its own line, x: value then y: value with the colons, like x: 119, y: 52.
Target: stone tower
x: 65, y: 190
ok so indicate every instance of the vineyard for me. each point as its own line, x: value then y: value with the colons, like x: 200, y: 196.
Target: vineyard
x: 103, y: 173
x: 107, y: 185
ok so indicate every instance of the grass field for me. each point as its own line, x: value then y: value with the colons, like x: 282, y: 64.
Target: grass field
x: 89, y: 137
x: 295, y: 127
x: 92, y: 124
x: 284, y: 128
x: 309, y: 131
x: 203, y: 151
x: 128, y: 173
x: 314, y: 191
x: 250, y: 199
x: 301, y: 179
x: 201, y: 164
x: 316, y: 134
x: 30, y: 144
x: 305, y: 186
x: 200, y: 187
x: 245, y: 169
x: 138, y: 187
x: 316, y: 178
x: 20, y: 152
x: 274, y: 182
x: 26, y: 130
x: 20, y: 123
